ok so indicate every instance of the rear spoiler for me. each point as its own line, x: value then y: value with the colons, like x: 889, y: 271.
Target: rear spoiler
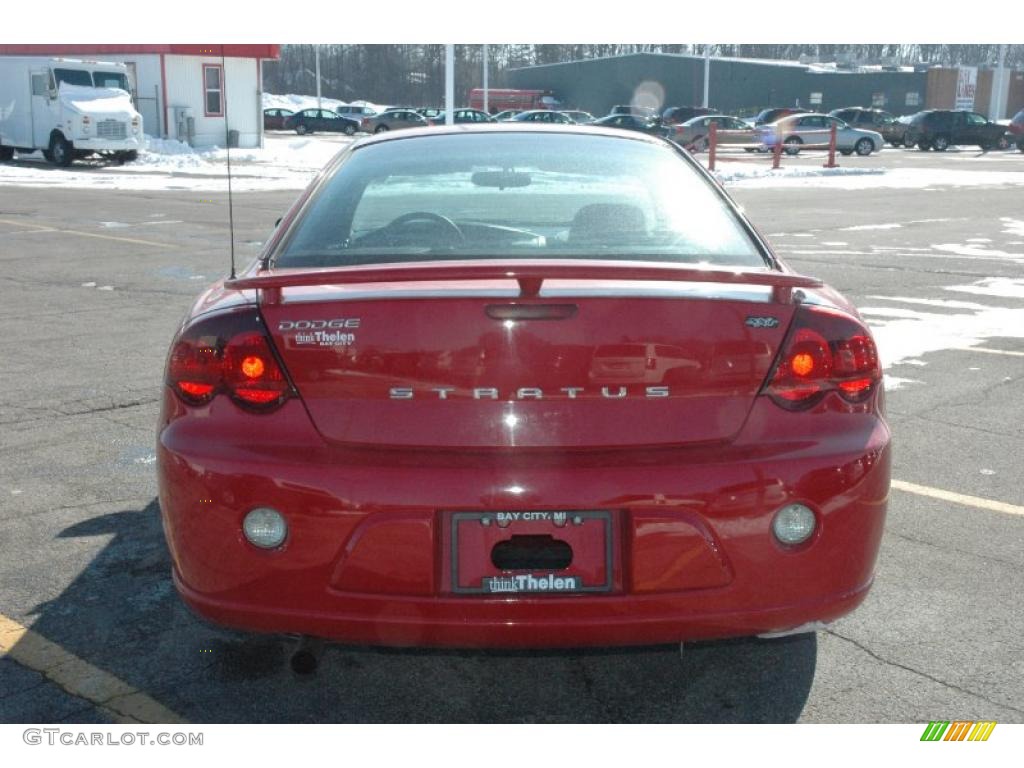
x: 529, y: 274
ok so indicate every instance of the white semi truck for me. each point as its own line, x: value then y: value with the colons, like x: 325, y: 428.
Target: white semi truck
x: 67, y: 108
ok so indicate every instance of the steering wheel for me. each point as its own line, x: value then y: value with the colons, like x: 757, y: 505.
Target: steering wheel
x: 450, y: 227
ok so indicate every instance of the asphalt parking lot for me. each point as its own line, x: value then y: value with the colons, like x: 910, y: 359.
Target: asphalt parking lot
x: 94, y: 283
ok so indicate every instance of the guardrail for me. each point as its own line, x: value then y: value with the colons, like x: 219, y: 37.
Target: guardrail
x: 777, y: 148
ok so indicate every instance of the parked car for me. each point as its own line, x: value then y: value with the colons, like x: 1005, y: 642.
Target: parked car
x: 770, y: 115
x: 632, y: 109
x: 464, y: 115
x: 542, y: 116
x: 797, y: 130
x: 482, y: 468
x: 731, y: 130
x: 680, y: 115
x: 1016, y: 130
x: 430, y: 112
x: 394, y: 120
x: 274, y: 119
x: 940, y: 128
x: 877, y: 120
x: 312, y: 120
x: 578, y: 116
x: 507, y: 114
x: 634, y: 123
x: 355, y: 111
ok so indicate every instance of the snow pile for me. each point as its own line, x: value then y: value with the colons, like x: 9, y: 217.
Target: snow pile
x: 97, y: 101
x: 865, y: 178
x: 285, y: 162
x: 294, y: 102
x: 747, y: 173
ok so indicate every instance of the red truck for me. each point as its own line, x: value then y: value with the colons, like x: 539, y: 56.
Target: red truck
x: 500, y: 99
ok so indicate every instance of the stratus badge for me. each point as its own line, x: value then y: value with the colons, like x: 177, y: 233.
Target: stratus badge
x: 754, y: 321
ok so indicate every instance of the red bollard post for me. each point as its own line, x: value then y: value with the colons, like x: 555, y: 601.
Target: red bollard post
x: 712, y: 145
x: 831, y: 149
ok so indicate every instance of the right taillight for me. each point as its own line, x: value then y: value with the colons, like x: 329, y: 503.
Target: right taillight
x: 228, y: 354
x: 825, y: 351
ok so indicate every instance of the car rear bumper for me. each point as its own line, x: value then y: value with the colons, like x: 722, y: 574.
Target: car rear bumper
x: 365, y: 562
x: 537, y: 623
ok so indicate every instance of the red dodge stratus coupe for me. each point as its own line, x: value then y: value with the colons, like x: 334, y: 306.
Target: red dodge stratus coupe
x: 500, y: 386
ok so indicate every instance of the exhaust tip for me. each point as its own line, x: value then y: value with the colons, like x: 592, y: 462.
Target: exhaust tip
x: 304, y: 663
x: 306, y: 657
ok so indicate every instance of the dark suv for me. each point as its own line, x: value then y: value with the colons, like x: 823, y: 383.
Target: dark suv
x: 770, y: 115
x: 632, y: 109
x: 939, y: 128
x: 679, y: 115
x: 878, y: 120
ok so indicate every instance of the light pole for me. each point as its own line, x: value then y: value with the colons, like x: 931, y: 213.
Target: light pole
x: 449, y: 85
x: 486, y: 100
x: 707, y: 73
x: 319, y: 104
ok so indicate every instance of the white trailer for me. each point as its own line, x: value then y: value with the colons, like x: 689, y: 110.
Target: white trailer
x: 68, y: 108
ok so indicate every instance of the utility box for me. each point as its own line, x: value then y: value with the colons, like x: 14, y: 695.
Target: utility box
x: 185, y: 125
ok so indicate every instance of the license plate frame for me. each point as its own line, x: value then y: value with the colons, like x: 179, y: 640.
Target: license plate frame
x: 604, y: 517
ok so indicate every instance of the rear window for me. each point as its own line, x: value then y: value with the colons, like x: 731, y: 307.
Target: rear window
x: 501, y: 195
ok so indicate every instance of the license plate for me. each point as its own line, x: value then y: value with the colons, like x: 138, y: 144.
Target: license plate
x: 537, y: 552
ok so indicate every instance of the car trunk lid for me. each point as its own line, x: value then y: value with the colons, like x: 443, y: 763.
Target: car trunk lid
x: 486, y: 363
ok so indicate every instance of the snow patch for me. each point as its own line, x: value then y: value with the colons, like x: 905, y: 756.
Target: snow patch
x: 977, y: 251
x: 767, y: 176
x: 863, y: 227
x: 1013, y: 226
x: 910, y: 334
x: 1006, y: 287
x: 893, y: 383
x: 869, y: 178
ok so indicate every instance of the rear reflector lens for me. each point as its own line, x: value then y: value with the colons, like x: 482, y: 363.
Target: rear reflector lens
x: 793, y: 524
x: 265, y: 528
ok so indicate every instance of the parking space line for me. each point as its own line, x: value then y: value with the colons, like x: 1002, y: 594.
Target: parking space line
x: 87, y: 234
x: 986, y: 350
x: 958, y: 498
x: 112, y: 696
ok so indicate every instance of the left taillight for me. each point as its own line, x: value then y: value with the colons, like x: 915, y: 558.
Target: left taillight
x: 825, y: 351
x: 228, y: 354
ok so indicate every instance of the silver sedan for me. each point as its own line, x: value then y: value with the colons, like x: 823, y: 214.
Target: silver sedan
x: 813, y: 129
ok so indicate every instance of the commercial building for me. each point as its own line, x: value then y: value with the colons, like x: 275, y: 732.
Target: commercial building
x: 745, y: 86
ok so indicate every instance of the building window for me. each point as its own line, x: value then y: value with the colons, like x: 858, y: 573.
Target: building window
x: 816, y: 97
x: 913, y: 99
x: 878, y: 99
x: 213, y: 89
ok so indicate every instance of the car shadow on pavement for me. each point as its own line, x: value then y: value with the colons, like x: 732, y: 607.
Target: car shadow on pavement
x: 122, y: 615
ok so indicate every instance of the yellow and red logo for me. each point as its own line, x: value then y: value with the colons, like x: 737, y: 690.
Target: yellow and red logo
x: 958, y: 730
